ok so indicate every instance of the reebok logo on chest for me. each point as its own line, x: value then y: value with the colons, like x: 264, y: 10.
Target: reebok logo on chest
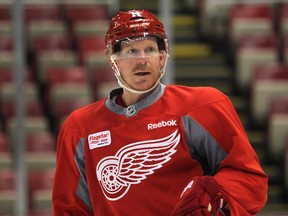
x: 160, y: 124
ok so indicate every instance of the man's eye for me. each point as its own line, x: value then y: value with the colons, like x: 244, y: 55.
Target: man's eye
x: 150, y: 50
x: 132, y: 51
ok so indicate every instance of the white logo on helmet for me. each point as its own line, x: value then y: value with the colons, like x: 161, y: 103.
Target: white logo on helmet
x: 135, y: 14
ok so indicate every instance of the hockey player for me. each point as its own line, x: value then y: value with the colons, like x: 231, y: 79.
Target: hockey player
x: 154, y: 150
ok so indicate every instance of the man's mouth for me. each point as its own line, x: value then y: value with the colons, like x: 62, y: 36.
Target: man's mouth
x: 142, y: 73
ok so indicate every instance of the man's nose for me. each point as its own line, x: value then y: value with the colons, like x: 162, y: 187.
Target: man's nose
x: 142, y: 58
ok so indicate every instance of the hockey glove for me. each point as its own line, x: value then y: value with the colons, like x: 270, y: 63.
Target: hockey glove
x: 201, y: 197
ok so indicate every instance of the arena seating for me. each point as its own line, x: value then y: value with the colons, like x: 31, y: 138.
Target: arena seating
x: 54, y: 58
x: 250, y: 19
x: 7, y: 191
x: 277, y: 127
x: 42, y: 12
x: 285, y: 167
x: 268, y: 83
x: 61, y: 96
x: 88, y: 45
x: 5, y: 12
x: 284, y: 48
x: 37, y: 28
x: 283, y: 20
x: 7, y: 75
x: 253, y: 50
x: 56, y: 76
x: 89, y: 28
x: 86, y: 20
x: 92, y: 57
x: 57, y: 82
x: 213, y: 18
x: 6, y: 58
x: 5, y: 152
x: 41, y: 142
x: 47, y: 42
x: 5, y: 28
x: 4, y: 147
x: 103, y: 79
x: 76, y: 12
x: 6, y: 42
x: 40, y: 183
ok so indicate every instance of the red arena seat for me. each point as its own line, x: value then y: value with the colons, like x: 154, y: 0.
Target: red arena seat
x: 283, y: 25
x: 5, y: 153
x: 41, y: 142
x: 5, y: 12
x: 4, y: 147
x: 253, y: 50
x: 89, y: 45
x: 76, y: 13
x: 286, y: 164
x: 250, y: 19
x: 6, y: 42
x: 40, y: 184
x: 7, y: 191
x: 42, y: 12
x: 7, y: 179
x: 269, y: 82
x: 7, y: 75
x: 60, y: 76
x: 53, y: 42
x: 277, y: 127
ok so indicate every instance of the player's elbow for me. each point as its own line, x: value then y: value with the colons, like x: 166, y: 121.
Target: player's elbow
x: 260, y: 194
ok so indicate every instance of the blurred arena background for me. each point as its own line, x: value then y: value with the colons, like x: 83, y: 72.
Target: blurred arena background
x: 57, y: 47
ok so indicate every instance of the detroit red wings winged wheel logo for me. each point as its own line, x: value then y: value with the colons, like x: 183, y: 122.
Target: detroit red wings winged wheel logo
x: 133, y: 163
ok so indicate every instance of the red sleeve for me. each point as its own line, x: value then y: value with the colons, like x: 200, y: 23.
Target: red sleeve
x: 64, y: 199
x: 239, y: 175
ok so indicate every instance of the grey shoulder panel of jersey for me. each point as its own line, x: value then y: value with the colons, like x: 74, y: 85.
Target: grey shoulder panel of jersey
x: 202, y: 146
x: 82, y: 190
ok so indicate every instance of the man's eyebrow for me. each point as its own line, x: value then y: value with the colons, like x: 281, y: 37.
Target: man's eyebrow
x: 131, y: 45
x: 127, y: 45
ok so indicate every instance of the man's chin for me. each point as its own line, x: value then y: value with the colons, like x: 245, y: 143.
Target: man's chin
x: 145, y: 88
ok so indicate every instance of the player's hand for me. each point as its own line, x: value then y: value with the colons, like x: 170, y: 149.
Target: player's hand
x: 201, y: 197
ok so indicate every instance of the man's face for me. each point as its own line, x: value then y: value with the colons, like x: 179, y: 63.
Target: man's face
x: 139, y: 63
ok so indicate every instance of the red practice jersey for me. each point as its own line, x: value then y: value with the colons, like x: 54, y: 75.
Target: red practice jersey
x: 136, y: 160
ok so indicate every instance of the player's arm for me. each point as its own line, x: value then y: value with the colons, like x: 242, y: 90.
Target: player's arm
x: 240, y: 175
x: 70, y: 192
x: 216, y: 138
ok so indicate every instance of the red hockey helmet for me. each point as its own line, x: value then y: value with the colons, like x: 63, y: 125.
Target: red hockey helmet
x: 135, y: 23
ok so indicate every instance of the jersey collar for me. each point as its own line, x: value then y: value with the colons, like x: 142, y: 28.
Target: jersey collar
x: 133, y: 109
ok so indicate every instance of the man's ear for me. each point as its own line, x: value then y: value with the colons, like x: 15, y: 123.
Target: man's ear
x: 113, y: 65
x: 162, y: 59
x: 108, y: 56
x: 111, y: 62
